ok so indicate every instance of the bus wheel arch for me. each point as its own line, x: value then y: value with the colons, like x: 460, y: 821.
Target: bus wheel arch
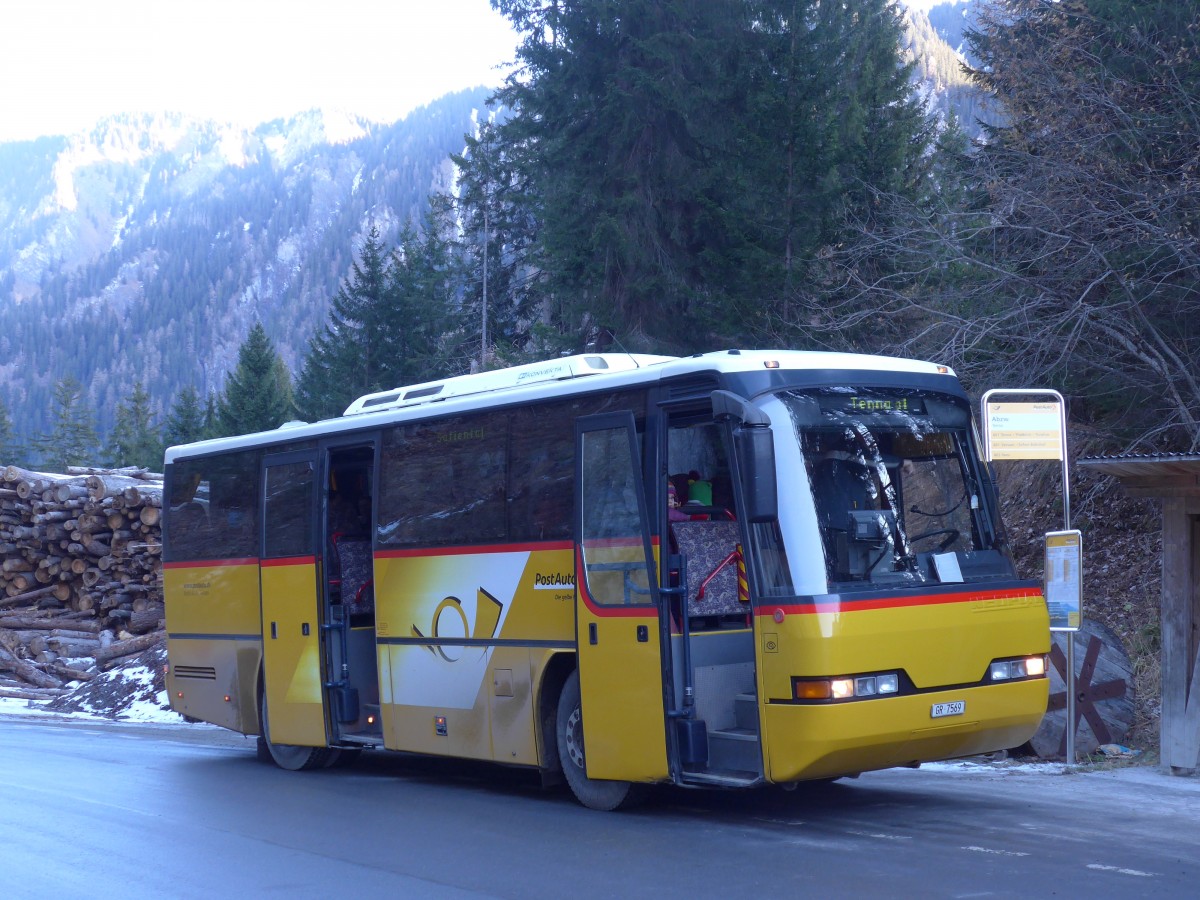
x: 286, y: 756
x: 557, y: 670
x: 592, y: 793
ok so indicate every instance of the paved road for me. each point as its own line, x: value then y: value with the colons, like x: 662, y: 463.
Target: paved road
x: 108, y: 810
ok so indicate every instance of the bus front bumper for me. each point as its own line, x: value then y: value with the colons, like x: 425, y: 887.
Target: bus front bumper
x: 807, y: 741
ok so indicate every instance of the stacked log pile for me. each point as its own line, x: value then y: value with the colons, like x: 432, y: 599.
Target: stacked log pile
x: 80, y: 575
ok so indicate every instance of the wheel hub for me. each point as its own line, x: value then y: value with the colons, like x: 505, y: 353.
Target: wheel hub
x: 575, y: 737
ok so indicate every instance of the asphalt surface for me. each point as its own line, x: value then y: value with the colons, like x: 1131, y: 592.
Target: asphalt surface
x: 103, y: 809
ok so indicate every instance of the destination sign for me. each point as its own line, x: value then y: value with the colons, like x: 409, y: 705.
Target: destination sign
x: 1024, y: 430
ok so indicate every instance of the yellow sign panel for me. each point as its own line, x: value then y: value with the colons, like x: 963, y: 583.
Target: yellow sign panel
x: 1064, y: 579
x: 1024, y: 431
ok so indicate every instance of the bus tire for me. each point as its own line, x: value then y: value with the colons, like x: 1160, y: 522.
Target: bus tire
x: 288, y: 756
x: 592, y: 793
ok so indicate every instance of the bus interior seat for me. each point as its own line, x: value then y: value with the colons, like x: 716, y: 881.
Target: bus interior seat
x: 354, y: 577
x: 709, y: 548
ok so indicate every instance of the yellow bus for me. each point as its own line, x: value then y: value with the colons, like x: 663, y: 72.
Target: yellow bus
x: 730, y: 570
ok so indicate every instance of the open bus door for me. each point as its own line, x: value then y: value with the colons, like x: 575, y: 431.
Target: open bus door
x: 616, y: 613
x: 291, y: 615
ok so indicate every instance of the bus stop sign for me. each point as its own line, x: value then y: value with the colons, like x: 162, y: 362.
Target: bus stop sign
x: 1024, y: 430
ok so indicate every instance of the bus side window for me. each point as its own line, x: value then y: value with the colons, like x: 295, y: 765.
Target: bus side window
x: 190, y: 524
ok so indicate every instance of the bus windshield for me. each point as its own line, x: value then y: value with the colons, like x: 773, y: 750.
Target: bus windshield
x: 895, y: 488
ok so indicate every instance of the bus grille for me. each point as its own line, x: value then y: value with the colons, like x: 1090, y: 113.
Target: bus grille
x: 206, y: 673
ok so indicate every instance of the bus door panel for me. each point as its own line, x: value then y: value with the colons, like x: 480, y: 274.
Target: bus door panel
x: 291, y: 602
x: 617, y: 621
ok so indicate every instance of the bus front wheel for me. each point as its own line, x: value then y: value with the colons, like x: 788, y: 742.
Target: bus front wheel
x: 592, y: 793
x: 287, y: 756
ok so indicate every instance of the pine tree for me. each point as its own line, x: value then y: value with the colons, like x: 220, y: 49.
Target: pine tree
x: 212, y: 419
x: 71, y: 440
x: 185, y: 421
x: 258, y: 393
x: 344, y: 357
x: 684, y: 163
x: 490, y: 208
x: 416, y: 323
x: 11, y: 452
x: 133, y: 440
x: 616, y: 136
x: 389, y: 324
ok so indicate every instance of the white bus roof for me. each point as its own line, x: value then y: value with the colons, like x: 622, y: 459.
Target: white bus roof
x: 503, y: 379
x: 573, y: 374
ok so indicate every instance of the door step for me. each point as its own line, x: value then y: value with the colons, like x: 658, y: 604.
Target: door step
x: 745, y: 711
x: 734, y: 749
x: 362, y: 739
x: 370, y: 735
x: 722, y: 778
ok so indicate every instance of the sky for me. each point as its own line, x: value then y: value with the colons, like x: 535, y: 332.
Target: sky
x: 66, y: 64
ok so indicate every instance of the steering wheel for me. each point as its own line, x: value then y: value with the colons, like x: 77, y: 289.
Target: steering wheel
x: 952, y: 535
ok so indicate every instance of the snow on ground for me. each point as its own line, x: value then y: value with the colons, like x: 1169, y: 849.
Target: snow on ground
x: 155, y: 710
x: 132, y: 693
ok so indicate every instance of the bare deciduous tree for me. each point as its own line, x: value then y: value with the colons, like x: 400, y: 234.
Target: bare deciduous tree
x: 1066, y: 250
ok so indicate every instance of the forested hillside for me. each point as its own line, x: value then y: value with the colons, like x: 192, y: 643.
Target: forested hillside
x: 144, y: 250
x: 935, y: 42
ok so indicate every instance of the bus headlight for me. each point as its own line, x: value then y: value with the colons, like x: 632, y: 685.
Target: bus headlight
x: 865, y: 687
x: 1009, y: 669
x: 841, y: 688
x: 856, y: 687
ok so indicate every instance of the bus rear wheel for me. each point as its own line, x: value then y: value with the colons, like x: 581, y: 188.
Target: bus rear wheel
x: 592, y: 793
x: 288, y: 756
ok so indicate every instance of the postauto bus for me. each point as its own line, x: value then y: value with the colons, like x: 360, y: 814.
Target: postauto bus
x: 732, y: 569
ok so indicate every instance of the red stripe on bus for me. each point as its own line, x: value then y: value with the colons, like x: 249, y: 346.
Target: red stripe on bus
x: 289, y: 561
x: 643, y: 611
x: 898, y: 602
x: 211, y: 563
x: 631, y: 612
x: 471, y: 551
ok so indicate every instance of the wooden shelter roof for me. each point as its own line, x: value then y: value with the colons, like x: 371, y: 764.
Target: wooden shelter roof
x: 1144, y: 475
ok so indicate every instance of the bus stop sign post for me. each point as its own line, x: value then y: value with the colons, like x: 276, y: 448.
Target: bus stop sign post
x: 1033, y: 429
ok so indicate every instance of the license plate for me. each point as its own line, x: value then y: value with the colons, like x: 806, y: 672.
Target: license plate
x: 953, y: 708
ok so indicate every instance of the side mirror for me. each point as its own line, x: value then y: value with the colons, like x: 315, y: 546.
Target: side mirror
x: 756, y: 461
x: 755, y: 449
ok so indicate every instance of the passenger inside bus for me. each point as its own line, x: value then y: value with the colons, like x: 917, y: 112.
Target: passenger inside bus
x: 674, y: 513
x: 351, y: 576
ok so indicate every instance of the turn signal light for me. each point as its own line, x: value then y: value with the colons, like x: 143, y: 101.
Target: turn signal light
x: 813, y: 690
x: 850, y: 688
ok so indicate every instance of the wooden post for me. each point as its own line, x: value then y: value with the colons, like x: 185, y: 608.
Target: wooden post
x: 1180, y: 728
